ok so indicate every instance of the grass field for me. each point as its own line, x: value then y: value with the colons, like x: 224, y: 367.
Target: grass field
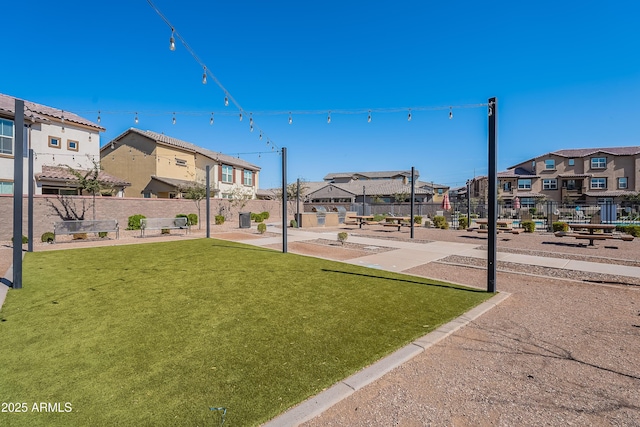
x: 156, y: 334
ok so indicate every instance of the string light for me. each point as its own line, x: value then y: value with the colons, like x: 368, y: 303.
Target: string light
x: 329, y: 117
x: 290, y: 118
x: 136, y: 118
x: 211, y: 119
x: 174, y: 118
x: 98, y: 116
x: 450, y: 113
x: 251, y: 122
x: 226, y: 101
x: 369, y: 117
x: 409, y: 116
x: 172, y: 42
x: 240, y: 116
x: 260, y: 136
x: 204, y: 76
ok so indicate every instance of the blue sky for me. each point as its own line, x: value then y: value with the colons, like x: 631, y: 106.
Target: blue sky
x: 566, y: 75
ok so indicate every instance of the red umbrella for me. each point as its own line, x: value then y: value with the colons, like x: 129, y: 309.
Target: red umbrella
x: 446, y: 205
x: 516, y: 203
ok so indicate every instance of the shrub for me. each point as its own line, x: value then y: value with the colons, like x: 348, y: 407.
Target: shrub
x: 532, y: 211
x: 25, y: 240
x: 379, y: 217
x: 257, y: 217
x: 265, y: 215
x: 633, y: 230
x: 293, y: 223
x: 560, y: 226
x: 440, y: 221
x: 262, y: 228
x: 529, y: 226
x: 183, y: 216
x: 47, y: 237
x: 219, y: 219
x: 102, y: 234
x: 192, y: 219
x: 80, y: 236
x: 342, y: 237
x: 462, y: 222
x: 165, y: 231
x: 417, y: 219
x: 134, y: 222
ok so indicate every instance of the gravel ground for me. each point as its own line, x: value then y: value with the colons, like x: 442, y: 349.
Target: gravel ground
x: 557, y: 352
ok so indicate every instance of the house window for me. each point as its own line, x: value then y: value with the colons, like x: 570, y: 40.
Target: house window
x: 549, y: 184
x: 72, y: 145
x: 440, y: 191
x: 598, y: 183
x: 227, y: 196
x: 54, y: 142
x: 6, y: 137
x: 248, y: 178
x: 550, y: 164
x: 227, y: 175
x: 506, y: 186
x: 605, y: 201
x: 572, y: 162
x: 527, y: 202
x: 181, y: 162
x: 524, y: 184
x: 622, y: 183
x: 599, y: 163
x: 569, y: 184
x: 6, y: 187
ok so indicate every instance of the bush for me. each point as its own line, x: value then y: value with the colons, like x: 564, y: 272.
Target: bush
x: 265, y: 215
x: 262, y: 228
x: 633, y: 230
x: 462, y: 222
x: 529, y: 226
x: 102, y: 234
x: 293, y: 223
x: 342, y: 237
x: 257, y: 217
x: 219, y: 219
x: 25, y: 240
x: 417, y: 219
x: 165, y: 231
x: 440, y: 221
x: 192, y: 219
x: 379, y: 217
x: 183, y: 216
x: 560, y: 226
x: 134, y: 222
x: 48, y: 237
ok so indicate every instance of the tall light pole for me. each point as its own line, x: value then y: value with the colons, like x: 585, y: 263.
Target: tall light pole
x: 492, y: 217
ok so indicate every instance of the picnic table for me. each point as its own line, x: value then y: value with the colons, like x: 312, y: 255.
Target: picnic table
x: 362, y: 219
x: 396, y: 221
x: 591, y: 235
x: 504, y: 225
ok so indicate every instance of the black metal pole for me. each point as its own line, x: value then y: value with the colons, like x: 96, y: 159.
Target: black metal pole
x: 413, y: 194
x: 30, y: 204
x: 468, y: 203
x: 284, y: 200
x: 18, y: 171
x: 363, y: 198
x: 298, y: 219
x: 208, y: 197
x: 493, y: 196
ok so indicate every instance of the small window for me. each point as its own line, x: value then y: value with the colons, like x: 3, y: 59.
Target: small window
x: 72, y: 145
x: 6, y: 137
x: 598, y: 183
x: 248, y: 178
x: 227, y: 174
x: 440, y: 191
x: 549, y: 184
x: 622, y: 183
x: 527, y: 202
x: 598, y: 163
x: 572, y: 162
x: 524, y: 184
x: 506, y: 186
x: 181, y: 162
x: 550, y: 164
x: 54, y: 142
x: 6, y: 187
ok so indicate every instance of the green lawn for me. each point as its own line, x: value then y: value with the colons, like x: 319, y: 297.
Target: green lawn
x: 156, y: 334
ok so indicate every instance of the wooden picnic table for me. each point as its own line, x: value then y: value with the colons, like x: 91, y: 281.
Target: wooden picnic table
x: 396, y: 221
x: 591, y: 235
x: 501, y: 225
x: 362, y: 219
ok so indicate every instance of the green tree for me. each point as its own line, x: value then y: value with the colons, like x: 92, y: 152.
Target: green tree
x: 89, y: 182
x: 196, y: 192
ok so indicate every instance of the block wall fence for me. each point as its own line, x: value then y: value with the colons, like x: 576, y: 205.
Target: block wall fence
x: 121, y: 208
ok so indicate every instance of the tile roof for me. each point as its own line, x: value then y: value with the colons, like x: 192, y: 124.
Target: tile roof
x: 583, y: 152
x: 522, y: 194
x: 168, y: 140
x: 174, y: 181
x: 62, y: 174
x: 377, y: 187
x: 41, y: 113
x: 610, y: 193
x: 516, y: 173
x: 370, y: 175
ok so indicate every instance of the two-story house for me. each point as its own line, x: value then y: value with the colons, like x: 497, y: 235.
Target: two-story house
x: 159, y: 166
x: 60, y: 140
x: 588, y: 175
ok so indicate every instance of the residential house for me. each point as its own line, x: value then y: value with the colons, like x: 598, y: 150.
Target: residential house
x: 572, y: 176
x: 160, y: 166
x: 60, y: 140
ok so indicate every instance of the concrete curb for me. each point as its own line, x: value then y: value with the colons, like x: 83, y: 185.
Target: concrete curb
x: 319, y: 403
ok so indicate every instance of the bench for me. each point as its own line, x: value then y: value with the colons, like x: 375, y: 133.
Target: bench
x: 592, y: 237
x: 86, y: 226
x: 179, y: 223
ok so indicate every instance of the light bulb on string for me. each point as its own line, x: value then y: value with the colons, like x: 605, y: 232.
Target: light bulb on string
x: 450, y: 113
x: 409, y: 115
x: 369, y: 117
x: 211, y: 119
x: 204, y: 76
x: 226, y: 101
x: 329, y: 117
x: 240, y: 116
x: 136, y: 118
x: 99, y: 116
x: 260, y: 136
x: 174, y: 118
x: 172, y: 42
x: 290, y: 118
